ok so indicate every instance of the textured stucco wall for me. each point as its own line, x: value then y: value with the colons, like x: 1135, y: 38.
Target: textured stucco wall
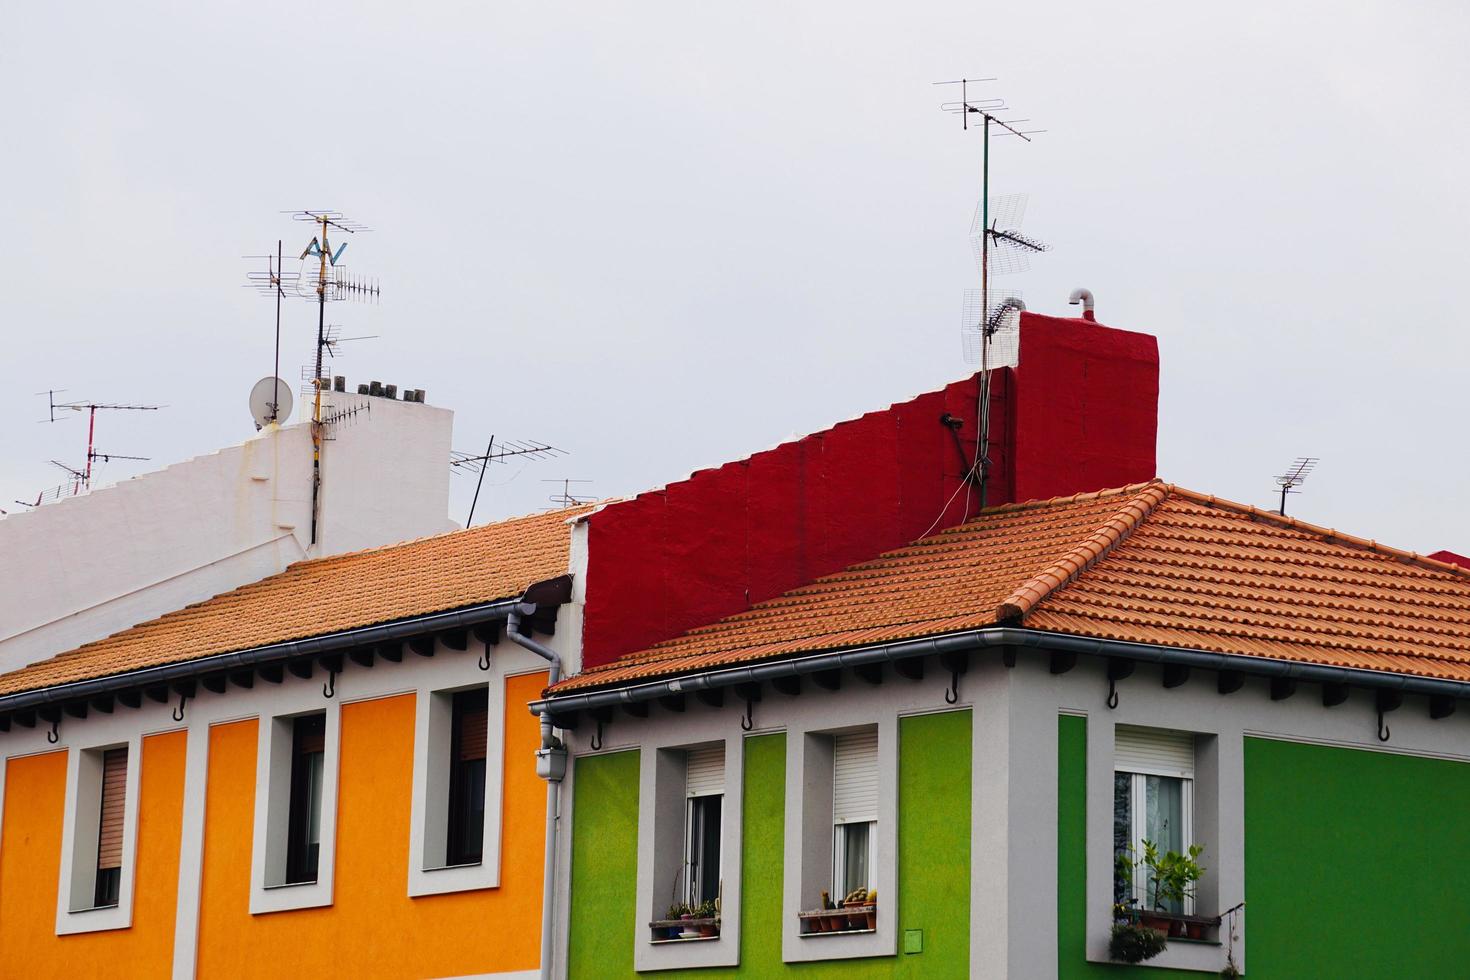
x: 934, y: 859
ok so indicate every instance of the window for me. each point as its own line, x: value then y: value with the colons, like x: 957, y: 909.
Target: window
x: 110, y: 828
x: 1153, y: 789
x: 304, y: 823
x: 854, y: 812
x: 466, y: 815
x: 705, y: 789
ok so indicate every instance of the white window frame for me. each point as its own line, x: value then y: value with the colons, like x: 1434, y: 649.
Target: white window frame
x: 663, y: 827
x: 269, y: 892
x: 689, y: 896
x: 428, y: 827
x: 81, y: 821
x: 839, y: 856
x: 1138, y: 802
x: 811, y: 835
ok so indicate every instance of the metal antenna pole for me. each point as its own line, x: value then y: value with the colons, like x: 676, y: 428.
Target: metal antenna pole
x: 982, y: 446
x: 316, y: 381
x: 489, y: 454
x: 276, y: 371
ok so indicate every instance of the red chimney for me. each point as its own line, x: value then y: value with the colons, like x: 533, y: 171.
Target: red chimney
x: 1079, y: 413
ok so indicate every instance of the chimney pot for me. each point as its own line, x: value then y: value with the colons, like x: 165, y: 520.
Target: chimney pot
x: 375, y: 388
x: 363, y: 390
x: 390, y: 391
x: 339, y: 383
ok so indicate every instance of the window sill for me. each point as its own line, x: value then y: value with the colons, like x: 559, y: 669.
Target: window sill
x: 835, y: 935
x: 681, y: 939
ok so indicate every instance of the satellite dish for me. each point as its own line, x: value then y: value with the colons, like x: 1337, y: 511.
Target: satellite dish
x: 270, y: 401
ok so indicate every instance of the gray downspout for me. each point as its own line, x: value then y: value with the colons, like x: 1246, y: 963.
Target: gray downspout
x: 551, y: 764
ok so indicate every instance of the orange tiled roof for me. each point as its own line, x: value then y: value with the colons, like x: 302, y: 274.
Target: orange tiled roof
x: 1151, y: 563
x: 327, y: 595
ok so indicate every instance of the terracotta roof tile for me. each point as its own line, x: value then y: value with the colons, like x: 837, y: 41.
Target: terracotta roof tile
x: 327, y: 595
x: 1151, y: 563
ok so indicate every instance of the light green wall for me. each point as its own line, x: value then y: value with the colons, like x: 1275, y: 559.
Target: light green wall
x: 1355, y: 863
x: 933, y: 846
x: 604, y: 865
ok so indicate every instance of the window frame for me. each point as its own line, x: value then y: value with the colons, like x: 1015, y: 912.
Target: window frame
x: 1138, y: 823
x: 270, y: 889
x: 690, y: 844
x: 663, y: 838
x: 76, y: 908
x: 428, y: 870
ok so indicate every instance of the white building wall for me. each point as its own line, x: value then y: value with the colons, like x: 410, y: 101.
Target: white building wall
x: 88, y: 566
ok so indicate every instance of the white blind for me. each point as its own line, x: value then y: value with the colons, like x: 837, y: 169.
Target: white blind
x: 1154, y: 751
x: 706, y: 770
x: 855, y: 777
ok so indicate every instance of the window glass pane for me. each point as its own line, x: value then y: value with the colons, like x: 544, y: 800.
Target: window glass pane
x: 854, y: 858
x: 704, y: 848
x: 1123, y: 856
x: 1164, y: 820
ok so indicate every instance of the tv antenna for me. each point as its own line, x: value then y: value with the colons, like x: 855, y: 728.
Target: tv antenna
x: 273, y: 282
x: 82, y: 478
x: 1296, y: 474
x: 509, y: 449
x: 1009, y: 242
x: 331, y: 282
x: 566, y: 498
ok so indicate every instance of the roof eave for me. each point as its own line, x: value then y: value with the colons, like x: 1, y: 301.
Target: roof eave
x: 985, y: 638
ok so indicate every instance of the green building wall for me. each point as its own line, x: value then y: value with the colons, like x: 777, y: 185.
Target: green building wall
x: 1355, y: 863
x: 933, y: 858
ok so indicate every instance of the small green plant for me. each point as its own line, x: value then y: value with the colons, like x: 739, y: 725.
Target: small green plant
x: 858, y: 896
x: 1133, y: 944
x: 1172, y: 876
x: 827, y: 904
x: 705, y: 910
x: 677, y: 910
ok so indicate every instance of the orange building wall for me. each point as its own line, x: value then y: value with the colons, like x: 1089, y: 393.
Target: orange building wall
x: 373, y: 928
x: 30, y: 869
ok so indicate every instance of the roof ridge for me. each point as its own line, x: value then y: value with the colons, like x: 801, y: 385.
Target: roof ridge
x: 1084, y: 554
x: 1074, y: 498
x: 567, y: 512
x: 1329, y: 533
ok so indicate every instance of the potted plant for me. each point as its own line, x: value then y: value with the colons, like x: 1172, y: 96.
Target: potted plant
x: 1172, y: 878
x: 706, y: 912
x: 873, y: 909
x: 856, y: 903
x: 676, y: 911
x: 1131, y: 943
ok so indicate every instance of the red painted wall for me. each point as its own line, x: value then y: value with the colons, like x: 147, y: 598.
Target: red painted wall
x: 1078, y: 414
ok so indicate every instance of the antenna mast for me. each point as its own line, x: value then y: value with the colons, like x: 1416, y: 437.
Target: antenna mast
x: 1296, y: 474
x: 337, y: 286
x: 83, y: 477
x: 986, y: 109
x: 509, y: 449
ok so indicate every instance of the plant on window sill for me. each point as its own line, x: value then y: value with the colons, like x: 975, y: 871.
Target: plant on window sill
x: 858, y: 912
x: 688, y: 922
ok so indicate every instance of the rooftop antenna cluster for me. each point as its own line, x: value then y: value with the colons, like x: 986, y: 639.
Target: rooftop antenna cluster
x: 324, y: 280
x: 508, y: 449
x: 1000, y: 247
x: 1296, y: 474
x: 80, y: 479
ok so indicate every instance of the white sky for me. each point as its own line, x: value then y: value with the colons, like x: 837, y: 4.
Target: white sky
x: 665, y: 235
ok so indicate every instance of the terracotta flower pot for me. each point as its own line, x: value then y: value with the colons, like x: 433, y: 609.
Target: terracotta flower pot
x: 707, y: 930
x: 872, y: 918
x: 1194, y: 930
x: 1156, y: 922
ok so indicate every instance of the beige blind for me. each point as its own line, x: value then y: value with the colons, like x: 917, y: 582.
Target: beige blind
x: 1153, y: 751
x: 472, y: 721
x: 313, y: 737
x: 855, y: 777
x: 706, y: 770
x: 114, y: 794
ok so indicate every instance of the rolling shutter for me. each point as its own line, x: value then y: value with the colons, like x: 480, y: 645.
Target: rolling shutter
x: 114, y: 793
x: 706, y: 770
x: 1154, y: 751
x: 472, y: 717
x: 855, y: 777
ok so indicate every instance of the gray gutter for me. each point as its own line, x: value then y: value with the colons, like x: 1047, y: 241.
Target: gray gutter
x: 995, y: 636
x: 255, y: 656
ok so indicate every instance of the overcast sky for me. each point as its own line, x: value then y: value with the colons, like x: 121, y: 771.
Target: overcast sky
x: 665, y: 235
